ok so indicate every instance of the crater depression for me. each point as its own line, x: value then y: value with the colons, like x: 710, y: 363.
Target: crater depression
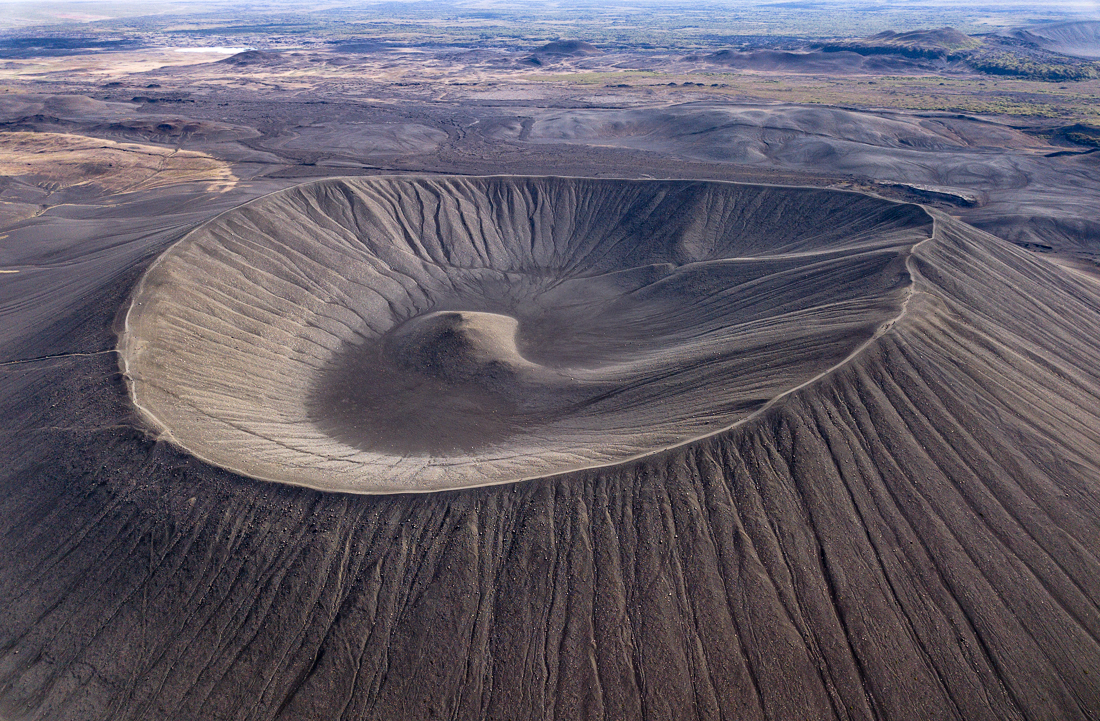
x: 413, y: 334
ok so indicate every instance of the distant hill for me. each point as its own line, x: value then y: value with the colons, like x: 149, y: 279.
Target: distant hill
x: 1076, y: 39
x: 568, y: 47
x: 943, y: 38
x: 253, y: 57
x: 939, y: 43
x: 1024, y: 54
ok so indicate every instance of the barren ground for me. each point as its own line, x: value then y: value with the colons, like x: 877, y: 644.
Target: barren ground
x: 905, y: 528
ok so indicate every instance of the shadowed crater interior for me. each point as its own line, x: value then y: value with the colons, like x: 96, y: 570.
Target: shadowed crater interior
x: 440, y: 383
x: 410, y: 334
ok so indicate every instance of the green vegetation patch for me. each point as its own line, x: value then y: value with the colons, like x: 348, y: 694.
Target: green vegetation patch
x: 1053, y: 70
x: 1082, y: 134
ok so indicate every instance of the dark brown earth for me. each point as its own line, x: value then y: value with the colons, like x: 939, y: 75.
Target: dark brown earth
x: 913, y: 534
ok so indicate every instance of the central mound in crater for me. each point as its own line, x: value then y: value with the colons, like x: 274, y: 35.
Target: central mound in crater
x: 380, y: 335
x: 460, y: 347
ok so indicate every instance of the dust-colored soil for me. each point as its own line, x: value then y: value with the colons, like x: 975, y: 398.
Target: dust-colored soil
x: 62, y: 161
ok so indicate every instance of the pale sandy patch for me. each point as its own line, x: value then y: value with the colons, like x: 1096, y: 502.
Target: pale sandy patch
x: 56, y: 161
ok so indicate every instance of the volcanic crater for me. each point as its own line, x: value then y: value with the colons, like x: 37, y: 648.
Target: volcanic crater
x: 399, y: 334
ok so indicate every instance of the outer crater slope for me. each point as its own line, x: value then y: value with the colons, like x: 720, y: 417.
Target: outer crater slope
x: 411, y: 334
x: 913, y: 534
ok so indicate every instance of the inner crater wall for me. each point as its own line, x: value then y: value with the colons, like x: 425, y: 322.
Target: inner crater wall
x: 415, y: 334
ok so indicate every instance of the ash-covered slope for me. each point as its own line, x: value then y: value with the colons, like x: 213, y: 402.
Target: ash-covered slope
x: 1078, y: 39
x: 913, y: 535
